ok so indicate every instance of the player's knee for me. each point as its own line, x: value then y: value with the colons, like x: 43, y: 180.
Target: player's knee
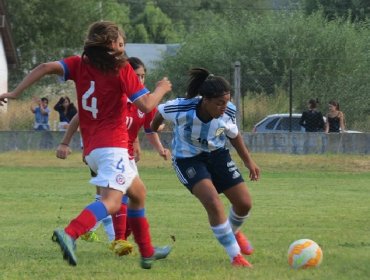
x: 243, y: 207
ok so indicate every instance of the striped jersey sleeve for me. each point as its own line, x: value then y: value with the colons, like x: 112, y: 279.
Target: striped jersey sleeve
x: 191, y: 136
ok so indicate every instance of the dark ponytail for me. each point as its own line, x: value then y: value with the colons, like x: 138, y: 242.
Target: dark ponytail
x: 202, y: 83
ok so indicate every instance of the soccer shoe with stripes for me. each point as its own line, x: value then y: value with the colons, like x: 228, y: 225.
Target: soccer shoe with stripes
x: 239, y: 261
x: 121, y: 247
x: 67, y: 245
x: 159, y: 253
x: 90, y: 236
x: 245, y: 246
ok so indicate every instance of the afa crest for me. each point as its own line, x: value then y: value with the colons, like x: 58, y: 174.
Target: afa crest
x: 219, y: 131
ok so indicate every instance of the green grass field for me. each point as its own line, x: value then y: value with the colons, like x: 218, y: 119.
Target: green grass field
x: 322, y: 197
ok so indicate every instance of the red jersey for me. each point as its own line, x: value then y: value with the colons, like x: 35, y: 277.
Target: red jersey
x: 102, y: 100
x: 135, y: 119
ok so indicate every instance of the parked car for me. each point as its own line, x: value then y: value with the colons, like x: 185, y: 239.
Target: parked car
x: 280, y: 123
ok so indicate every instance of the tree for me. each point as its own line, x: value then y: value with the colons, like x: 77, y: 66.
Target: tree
x: 329, y: 60
x: 50, y: 30
x: 158, y: 25
x: 46, y: 30
x: 355, y: 10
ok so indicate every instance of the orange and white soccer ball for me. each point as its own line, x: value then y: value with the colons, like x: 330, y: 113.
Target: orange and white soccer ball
x: 304, y: 253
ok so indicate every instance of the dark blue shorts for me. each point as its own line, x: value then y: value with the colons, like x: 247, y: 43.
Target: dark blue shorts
x: 216, y: 166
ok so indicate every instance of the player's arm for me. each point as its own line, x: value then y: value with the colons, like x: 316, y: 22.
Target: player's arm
x: 156, y: 144
x: 241, y: 149
x: 63, y: 149
x: 31, y: 78
x: 157, y: 121
x: 137, y: 149
x: 148, y: 102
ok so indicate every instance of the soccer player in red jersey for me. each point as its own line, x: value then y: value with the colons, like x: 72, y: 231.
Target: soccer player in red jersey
x: 104, y: 80
x: 135, y: 120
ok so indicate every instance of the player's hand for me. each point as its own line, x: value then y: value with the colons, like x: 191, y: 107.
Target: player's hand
x: 166, y: 154
x: 7, y: 95
x: 63, y: 151
x: 164, y: 85
x: 254, y: 171
x: 137, y: 155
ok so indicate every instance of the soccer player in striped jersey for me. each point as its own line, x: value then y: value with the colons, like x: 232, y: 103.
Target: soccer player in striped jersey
x: 202, y: 122
x: 104, y: 80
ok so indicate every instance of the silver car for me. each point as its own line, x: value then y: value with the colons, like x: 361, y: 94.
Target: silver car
x: 279, y: 123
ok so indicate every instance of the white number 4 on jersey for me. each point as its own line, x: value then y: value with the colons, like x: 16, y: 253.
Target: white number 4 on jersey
x: 92, y: 108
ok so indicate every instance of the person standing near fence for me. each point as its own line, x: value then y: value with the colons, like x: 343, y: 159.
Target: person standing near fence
x: 202, y: 122
x: 42, y: 112
x: 335, y: 121
x: 312, y: 119
x: 104, y: 80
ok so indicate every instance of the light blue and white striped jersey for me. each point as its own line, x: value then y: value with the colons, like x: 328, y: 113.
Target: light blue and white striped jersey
x: 191, y: 136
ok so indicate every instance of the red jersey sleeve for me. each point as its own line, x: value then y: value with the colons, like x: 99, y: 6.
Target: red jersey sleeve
x: 148, y: 120
x: 131, y: 84
x: 70, y: 66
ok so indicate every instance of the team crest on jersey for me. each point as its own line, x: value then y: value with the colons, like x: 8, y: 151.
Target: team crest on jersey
x: 219, y: 131
x: 120, y: 179
x: 140, y: 114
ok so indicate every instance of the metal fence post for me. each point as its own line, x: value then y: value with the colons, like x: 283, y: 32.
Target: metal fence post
x: 237, y: 95
x: 290, y: 99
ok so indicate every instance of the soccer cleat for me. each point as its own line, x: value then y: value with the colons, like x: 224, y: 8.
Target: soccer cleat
x: 239, y: 261
x: 245, y: 246
x: 121, y: 247
x: 90, y: 236
x: 159, y: 253
x: 67, y: 245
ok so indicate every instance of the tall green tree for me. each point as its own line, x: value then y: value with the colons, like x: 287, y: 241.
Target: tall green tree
x: 158, y: 26
x: 329, y: 60
x: 355, y: 10
x: 47, y: 30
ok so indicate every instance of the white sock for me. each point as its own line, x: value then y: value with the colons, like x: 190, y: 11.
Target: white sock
x: 108, y: 227
x: 236, y: 221
x: 226, y: 237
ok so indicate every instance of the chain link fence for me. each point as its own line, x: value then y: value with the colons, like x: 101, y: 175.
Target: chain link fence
x: 256, y: 94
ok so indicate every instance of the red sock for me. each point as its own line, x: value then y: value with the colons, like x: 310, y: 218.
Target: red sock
x: 140, y: 230
x: 119, y: 222
x: 128, y: 231
x: 81, y: 224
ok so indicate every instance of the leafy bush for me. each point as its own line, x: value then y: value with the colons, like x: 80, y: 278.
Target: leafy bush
x: 329, y: 60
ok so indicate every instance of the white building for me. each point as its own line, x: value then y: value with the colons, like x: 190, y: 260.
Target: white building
x: 150, y: 53
x: 8, y: 55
